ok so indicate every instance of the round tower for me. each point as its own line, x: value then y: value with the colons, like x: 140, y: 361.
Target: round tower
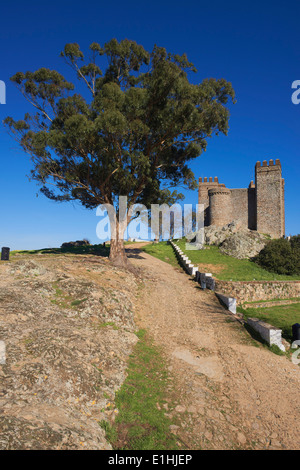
x: 219, y: 206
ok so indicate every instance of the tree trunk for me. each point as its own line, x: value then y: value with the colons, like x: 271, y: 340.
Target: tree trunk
x: 117, y: 253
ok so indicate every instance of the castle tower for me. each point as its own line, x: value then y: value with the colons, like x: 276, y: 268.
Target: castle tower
x: 219, y: 206
x: 269, y: 186
x: 204, y: 186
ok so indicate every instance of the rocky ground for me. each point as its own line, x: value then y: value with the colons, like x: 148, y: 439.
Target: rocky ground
x: 68, y: 326
x: 68, y: 323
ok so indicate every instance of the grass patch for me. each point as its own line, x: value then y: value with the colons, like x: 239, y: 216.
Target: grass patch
x: 141, y: 423
x: 272, y: 300
x: 227, y: 268
x: 162, y: 251
x: 75, y: 303
x: 281, y: 316
x: 64, y: 300
x: 108, y: 323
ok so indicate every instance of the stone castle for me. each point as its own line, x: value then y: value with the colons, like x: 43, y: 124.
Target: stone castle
x: 259, y: 207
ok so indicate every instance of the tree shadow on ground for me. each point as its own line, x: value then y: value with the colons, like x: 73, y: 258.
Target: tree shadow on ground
x: 134, y: 253
x: 97, y: 250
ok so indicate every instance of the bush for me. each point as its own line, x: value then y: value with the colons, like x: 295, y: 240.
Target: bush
x: 295, y: 241
x: 281, y: 256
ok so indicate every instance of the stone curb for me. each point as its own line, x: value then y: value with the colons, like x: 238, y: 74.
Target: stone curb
x: 204, y: 279
x: 230, y: 302
x: 269, y: 333
x: 184, y: 260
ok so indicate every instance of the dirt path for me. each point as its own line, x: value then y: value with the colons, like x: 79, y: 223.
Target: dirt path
x: 232, y: 392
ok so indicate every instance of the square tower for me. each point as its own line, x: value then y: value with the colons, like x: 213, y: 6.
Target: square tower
x: 269, y: 186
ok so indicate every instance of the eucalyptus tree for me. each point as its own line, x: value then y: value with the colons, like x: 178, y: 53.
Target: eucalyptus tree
x: 132, y: 128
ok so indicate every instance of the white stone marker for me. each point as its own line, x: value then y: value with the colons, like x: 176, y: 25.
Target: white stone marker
x: 194, y: 270
x: 230, y: 302
x: 269, y: 333
x: 2, y: 353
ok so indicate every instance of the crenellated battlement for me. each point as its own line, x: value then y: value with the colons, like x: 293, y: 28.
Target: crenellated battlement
x: 209, y: 180
x: 271, y: 165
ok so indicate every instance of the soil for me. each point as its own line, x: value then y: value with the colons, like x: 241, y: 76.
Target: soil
x: 232, y: 392
x: 208, y: 268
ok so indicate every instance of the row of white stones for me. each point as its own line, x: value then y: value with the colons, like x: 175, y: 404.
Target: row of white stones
x: 269, y: 333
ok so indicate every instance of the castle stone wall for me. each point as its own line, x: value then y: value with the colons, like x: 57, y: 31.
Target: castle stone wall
x: 270, y: 198
x: 259, y: 207
x: 239, y: 206
x: 255, y: 291
x: 252, y: 207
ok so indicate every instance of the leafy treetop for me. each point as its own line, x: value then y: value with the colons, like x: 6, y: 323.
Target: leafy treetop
x: 133, y: 133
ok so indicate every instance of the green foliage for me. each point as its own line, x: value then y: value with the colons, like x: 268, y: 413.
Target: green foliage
x: 281, y: 256
x: 133, y: 133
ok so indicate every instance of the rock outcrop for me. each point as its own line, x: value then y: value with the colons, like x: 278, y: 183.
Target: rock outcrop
x: 216, y: 235
x: 234, y: 240
x: 68, y: 329
x: 245, y: 244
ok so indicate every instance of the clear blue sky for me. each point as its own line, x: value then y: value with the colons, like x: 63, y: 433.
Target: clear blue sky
x: 253, y: 44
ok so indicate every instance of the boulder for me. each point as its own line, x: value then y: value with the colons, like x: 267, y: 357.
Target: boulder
x: 234, y: 239
x: 244, y: 244
x: 216, y: 235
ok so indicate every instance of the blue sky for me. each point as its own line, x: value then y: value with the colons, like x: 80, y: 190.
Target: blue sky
x: 255, y: 45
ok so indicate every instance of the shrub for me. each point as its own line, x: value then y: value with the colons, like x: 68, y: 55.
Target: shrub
x: 281, y: 256
x: 295, y: 241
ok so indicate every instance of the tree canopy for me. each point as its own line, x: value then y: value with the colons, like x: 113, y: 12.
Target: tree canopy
x: 132, y: 132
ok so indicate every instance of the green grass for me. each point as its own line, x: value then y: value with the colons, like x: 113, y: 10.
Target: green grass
x: 228, y: 268
x: 107, y: 323
x: 75, y: 303
x: 162, y: 251
x: 294, y: 299
x: 281, y: 316
x: 141, y: 423
x: 64, y: 300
